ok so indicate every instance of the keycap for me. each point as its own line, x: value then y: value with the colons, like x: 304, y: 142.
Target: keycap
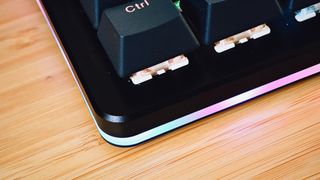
x: 144, y: 33
x: 215, y: 20
x: 94, y: 8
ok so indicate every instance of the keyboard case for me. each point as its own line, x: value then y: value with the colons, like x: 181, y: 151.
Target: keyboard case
x: 126, y: 114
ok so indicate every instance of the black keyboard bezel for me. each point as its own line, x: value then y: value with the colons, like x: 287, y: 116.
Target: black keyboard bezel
x: 123, y: 109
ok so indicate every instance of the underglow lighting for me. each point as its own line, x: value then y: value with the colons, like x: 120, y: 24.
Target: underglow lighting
x: 129, y: 141
x: 177, y: 4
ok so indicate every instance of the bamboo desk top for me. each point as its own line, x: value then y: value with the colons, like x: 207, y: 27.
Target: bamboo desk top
x: 47, y: 132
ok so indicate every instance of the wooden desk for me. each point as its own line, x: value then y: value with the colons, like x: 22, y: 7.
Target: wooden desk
x: 47, y: 132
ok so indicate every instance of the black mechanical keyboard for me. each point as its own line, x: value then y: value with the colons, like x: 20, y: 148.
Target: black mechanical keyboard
x: 146, y: 67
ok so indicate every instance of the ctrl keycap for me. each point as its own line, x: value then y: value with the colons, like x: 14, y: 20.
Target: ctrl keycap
x: 143, y: 33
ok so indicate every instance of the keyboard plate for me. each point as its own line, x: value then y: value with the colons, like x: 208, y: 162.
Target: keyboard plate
x: 123, y: 109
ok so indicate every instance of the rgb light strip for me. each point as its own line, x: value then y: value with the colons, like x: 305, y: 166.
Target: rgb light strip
x: 129, y: 141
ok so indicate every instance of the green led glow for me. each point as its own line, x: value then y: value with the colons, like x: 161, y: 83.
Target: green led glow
x: 177, y: 3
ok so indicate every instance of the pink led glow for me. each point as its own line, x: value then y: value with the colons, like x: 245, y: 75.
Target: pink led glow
x: 261, y: 90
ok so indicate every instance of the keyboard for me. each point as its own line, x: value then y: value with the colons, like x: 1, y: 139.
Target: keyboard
x: 147, y: 67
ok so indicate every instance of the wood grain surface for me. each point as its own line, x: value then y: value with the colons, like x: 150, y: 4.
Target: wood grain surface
x: 47, y: 132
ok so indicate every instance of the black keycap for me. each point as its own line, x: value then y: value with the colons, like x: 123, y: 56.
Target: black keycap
x: 143, y: 33
x: 94, y: 8
x: 295, y: 5
x: 215, y: 20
